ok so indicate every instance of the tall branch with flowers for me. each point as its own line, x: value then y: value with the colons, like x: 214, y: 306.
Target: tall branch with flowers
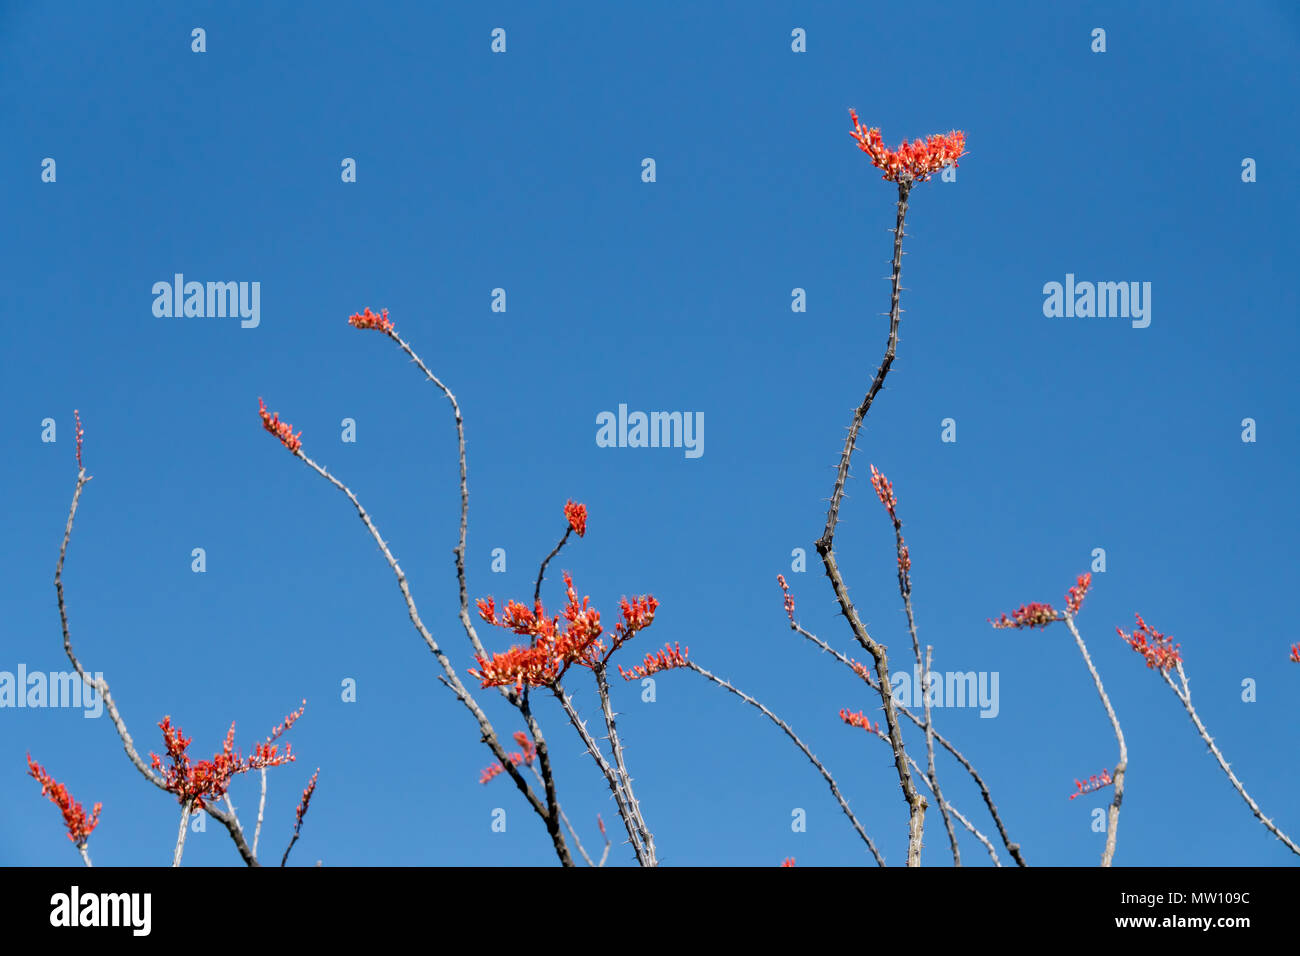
x: 197, y: 786
x: 554, y: 644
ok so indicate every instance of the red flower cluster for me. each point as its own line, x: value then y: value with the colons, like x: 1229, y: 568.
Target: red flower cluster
x: 281, y: 430
x: 859, y: 720
x: 576, y: 515
x: 911, y: 161
x: 74, y: 815
x: 1160, y: 651
x: 1029, y: 615
x: 1295, y: 653
x: 370, y: 320
x: 1094, y: 783
x: 304, y: 802
x: 788, y: 861
x: 526, y: 758
x: 884, y: 491
x: 671, y: 656
x: 553, y: 650
x: 789, y: 598
x: 1074, y: 597
x: 209, y: 779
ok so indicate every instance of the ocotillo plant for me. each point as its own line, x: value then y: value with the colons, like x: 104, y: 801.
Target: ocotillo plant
x: 553, y: 646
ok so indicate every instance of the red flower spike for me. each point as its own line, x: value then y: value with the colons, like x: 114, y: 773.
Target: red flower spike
x: 304, y: 802
x: 1295, y: 653
x: 884, y: 490
x: 1029, y: 615
x: 1160, y: 651
x: 576, y: 515
x: 788, y: 861
x: 670, y: 657
x: 1074, y: 597
x: 1095, y: 782
x: 530, y: 751
x: 910, y: 162
x: 789, y: 599
x: 370, y: 320
x: 859, y: 720
x: 74, y: 815
x: 281, y: 430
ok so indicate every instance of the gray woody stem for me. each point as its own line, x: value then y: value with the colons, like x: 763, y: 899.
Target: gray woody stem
x: 1012, y: 848
x: 625, y: 814
x: 452, y: 678
x: 101, y: 685
x: 534, y: 728
x: 916, y: 803
x: 180, y: 836
x: 821, y: 768
x: 1185, y: 696
x: 1112, y: 822
x: 625, y: 779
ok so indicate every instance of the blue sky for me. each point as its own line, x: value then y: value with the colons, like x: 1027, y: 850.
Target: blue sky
x: 522, y: 171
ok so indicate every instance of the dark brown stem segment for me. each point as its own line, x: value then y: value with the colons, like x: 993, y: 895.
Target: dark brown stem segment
x: 541, y: 572
x: 916, y: 803
x: 786, y: 729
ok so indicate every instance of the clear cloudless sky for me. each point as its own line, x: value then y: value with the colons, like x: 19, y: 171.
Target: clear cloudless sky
x: 522, y: 171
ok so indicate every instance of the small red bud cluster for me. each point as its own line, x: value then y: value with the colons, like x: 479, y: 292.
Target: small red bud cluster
x: 1095, y: 782
x: 1160, y: 651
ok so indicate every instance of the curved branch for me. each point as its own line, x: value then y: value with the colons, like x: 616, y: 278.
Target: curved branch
x: 1112, y: 822
x: 452, y: 678
x: 821, y: 768
x: 1185, y: 696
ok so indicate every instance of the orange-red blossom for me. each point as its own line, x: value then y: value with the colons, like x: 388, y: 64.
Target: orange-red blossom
x: 371, y: 320
x: 74, y: 814
x: 1095, y: 782
x: 199, y: 782
x: 910, y: 162
x: 576, y: 515
x: 1160, y: 651
x: 859, y: 720
x: 281, y: 430
x: 554, y: 649
x: 673, y: 655
x: 526, y: 758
